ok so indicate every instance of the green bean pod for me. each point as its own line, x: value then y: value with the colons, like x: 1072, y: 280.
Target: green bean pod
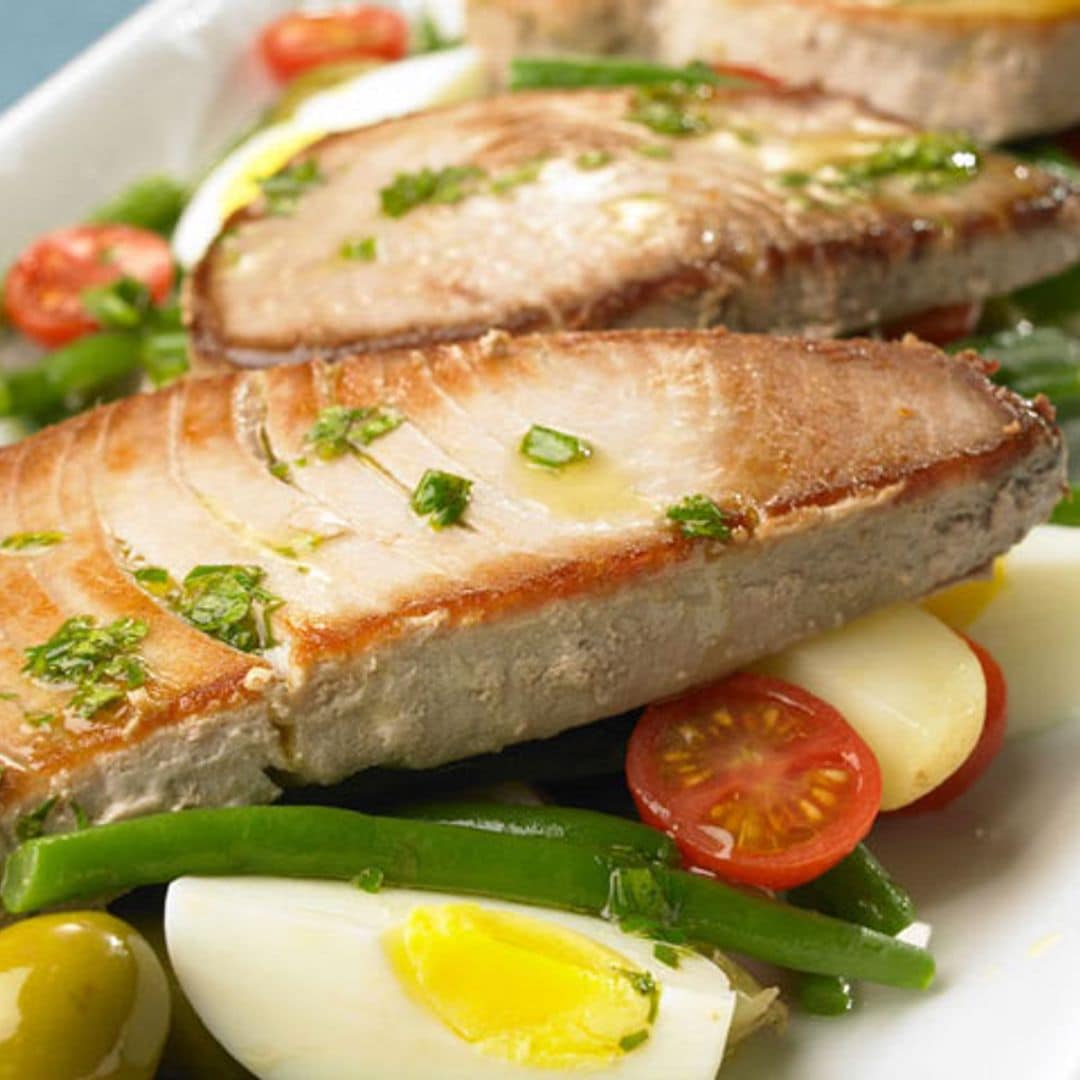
x: 548, y: 72
x: 824, y: 995
x: 320, y: 842
x: 860, y: 890
x: 586, y: 828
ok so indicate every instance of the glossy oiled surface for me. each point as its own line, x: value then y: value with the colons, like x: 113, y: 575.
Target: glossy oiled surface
x: 708, y: 233
x: 182, y: 478
x: 976, y: 9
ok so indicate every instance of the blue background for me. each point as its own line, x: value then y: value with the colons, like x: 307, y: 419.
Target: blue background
x: 39, y: 36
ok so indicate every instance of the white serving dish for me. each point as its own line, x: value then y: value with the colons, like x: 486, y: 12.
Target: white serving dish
x: 998, y: 877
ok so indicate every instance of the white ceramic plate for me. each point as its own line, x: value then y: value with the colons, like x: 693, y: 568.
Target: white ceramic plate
x: 998, y: 876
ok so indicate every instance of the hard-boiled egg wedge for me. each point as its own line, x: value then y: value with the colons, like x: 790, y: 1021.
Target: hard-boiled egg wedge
x: 421, y: 82
x: 311, y: 980
x: 907, y: 684
x: 1027, y: 614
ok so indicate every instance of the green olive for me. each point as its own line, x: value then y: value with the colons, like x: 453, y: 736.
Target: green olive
x: 81, y: 995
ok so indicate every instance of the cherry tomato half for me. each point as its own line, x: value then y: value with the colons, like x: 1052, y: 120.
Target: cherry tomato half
x: 301, y: 41
x: 986, y: 749
x: 43, y: 291
x: 940, y: 326
x: 755, y: 780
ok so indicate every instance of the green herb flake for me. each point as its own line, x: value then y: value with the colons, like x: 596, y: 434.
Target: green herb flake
x: 359, y: 249
x: 370, y: 879
x: 40, y: 719
x: 230, y: 604
x: 1067, y: 512
x: 929, y: 162
x: 632, y: 1042
x: 31, y: 541
x: 280, y: 470
x: 155, y: 580
x: 655, y: 150
x: 674, y: 108
x: 442, y: 497
x: 699, y: 517
x: 527, y: 173
x: 666, y: 954
x: 284, y: 188
x: 448, y: 185
x: 101, y: 662
x: 82, y: 820
x: 546, y: 446
x: 338, y: 429
x: 32, y: 825
x: 429, y: 37
x: 593, y: 159
x: 123, y: 304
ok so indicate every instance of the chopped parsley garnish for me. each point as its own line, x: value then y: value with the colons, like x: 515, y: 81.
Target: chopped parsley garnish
x: 698, y: 516
x: 931, y: 161
x: 452, y: 184
x: 31, y: 541
x: 359, y: 249
x: 230, y: 604
x: 121, y: 305
x: 428, y: 36
x: 527, y: 173
x: 546, y: 446
x: 40, y: 719
x: 279, y: 470
x: 442, y: 497
x: 154, y: 580
x: 370, y: 879
x: 32, y: 825
x: 593, y: 159
x: 338, y: 428
x: 284, y: 188
x: 654, y: 150
x: 666, y: 954
x: 448, y: 185
x: 674, y: 108
x: 101, y: 662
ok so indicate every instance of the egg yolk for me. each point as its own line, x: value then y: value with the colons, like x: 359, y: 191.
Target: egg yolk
x: 523, y: 990
x: 244, y: 187
x: 962, y: 604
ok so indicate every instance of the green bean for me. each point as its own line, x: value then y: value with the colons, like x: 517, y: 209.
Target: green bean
x: 1067, y: 511
x: 860, y: 890
x: 74, y: 376
x: 586, y: 828
x: 824, y: 995
x: 155, y: 203
x: 546, y: 72
x: 322, y: 842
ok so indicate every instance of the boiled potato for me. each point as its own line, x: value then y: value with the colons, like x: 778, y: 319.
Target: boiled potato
x: 906, y: 683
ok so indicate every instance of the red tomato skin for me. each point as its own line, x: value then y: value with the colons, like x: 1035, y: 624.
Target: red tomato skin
x: 986, y: 749
x: 751, y: 74
x: 300, y: 41
x: 939, y: 326
x: 43, y: 290
x: 834, y: 741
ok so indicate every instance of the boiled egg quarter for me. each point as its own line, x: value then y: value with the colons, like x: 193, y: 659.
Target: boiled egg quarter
x: 420, y: 82
x: 906, y: 683
x: 315, y: 980
x: 1027, y: 614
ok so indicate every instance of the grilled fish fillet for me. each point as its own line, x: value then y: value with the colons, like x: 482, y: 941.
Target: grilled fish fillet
x: 1001, y: 69
x: 579, y: 216
x: 854, y: 474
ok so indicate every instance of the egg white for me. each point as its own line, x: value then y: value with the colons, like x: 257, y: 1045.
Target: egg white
x: 293, y: 979
x: 1031, y: 626
x: 419, y: 82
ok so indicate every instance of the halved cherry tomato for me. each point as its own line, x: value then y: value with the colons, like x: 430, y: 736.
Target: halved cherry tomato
x: 755, y: 780
x: 939, y: 326
x: 43, y: 291
x: 301, y: 41
x: 986, y: 749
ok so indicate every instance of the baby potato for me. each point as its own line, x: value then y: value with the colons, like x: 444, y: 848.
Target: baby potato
x: 81, y: 994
